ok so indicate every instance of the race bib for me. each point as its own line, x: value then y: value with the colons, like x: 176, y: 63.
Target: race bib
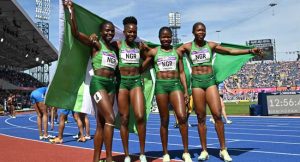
x: 97, y: 97
x: 166, y: 63
x: 131, y: 56
x: 109, y: 60
x: 201, y: 56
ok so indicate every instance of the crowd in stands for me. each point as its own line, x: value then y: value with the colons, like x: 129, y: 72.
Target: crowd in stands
x: 263, y: 75
x: 22, y: 98
x: 19, y: 79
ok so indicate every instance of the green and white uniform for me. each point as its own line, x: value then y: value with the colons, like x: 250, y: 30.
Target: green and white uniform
x: 107, y: 59
x: 202, y: 56
x: 129, y: 57
x: 166, y: 61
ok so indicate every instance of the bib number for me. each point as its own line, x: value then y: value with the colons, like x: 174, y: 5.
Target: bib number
x: 200, y: 56
x: 131, y: 56
x: 109, y: 60
x: 166, y: 63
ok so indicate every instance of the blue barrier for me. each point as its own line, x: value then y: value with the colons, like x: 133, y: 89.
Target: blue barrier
x: 255, y: 110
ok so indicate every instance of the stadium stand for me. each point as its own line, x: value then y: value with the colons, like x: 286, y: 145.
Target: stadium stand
x: 268, y: 76
x: 21, y: 43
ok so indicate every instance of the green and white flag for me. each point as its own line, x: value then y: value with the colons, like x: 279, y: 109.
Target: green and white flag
x: 69, y: 88
x: 70, y: 82
x: 227, y: 65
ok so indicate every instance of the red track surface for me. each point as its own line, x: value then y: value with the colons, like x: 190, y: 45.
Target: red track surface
x: 20, y: 150
x: 23, y: 150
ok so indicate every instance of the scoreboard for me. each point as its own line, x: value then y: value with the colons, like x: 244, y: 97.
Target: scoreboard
x: 267, y: 45
x: 279, y: 103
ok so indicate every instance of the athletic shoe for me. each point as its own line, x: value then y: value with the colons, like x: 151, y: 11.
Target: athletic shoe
x: 41, y: 137
x: 186, y: 157
x: 228, y: 121
x: 166, y: 158
x: 76, y: 136
x: 127, y: 159
x: 176, y: 125
x: 203, y: 156
x: 212, y: 120
x: 48, y: 137
x: 143, y: 158
x: 87, y: 137
x: 225, y: 156
x: 56, y: 141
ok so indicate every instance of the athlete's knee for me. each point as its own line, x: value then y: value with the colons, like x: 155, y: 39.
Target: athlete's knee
x: 217, y: 116
x: 39, y: 115
x: 181, y: 119
x: 201, y: 119
x: 164, y: 122
x: 62, y: 117
x: 124, y: 119
x: 110, y: 119
x: 139, y: 119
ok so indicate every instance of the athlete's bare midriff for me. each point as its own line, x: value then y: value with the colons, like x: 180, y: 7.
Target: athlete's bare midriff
x: 196, y: 70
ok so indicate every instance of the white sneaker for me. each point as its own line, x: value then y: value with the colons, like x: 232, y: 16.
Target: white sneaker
x: 186, y: 157
x: 76, y: 136
x: 166, y: 158
x: 203, y: 156
x: 127, y: 159
x: 225, y: 156
x: 143, y: 158
x: 212, y: 120
x: 87, y: 137
x: 228, y: 121
x: 41, y: 137
x: 48, y: 137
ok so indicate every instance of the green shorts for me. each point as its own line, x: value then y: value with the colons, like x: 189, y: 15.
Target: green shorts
x: 203, y: 81
x: 166, y: 86
x: 130, y: 82
x: 102, y: 83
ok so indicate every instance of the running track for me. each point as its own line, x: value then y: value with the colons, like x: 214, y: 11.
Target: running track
x: 272, y: 139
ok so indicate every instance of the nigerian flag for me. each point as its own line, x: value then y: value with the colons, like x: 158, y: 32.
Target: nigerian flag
x: 69, y: 88
x: 227, y: 65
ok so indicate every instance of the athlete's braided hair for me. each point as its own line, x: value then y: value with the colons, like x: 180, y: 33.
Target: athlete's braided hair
x: 129, y: 20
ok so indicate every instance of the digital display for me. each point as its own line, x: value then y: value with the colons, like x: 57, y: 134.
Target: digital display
x: 266, y: 45
x: 283, y: 104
